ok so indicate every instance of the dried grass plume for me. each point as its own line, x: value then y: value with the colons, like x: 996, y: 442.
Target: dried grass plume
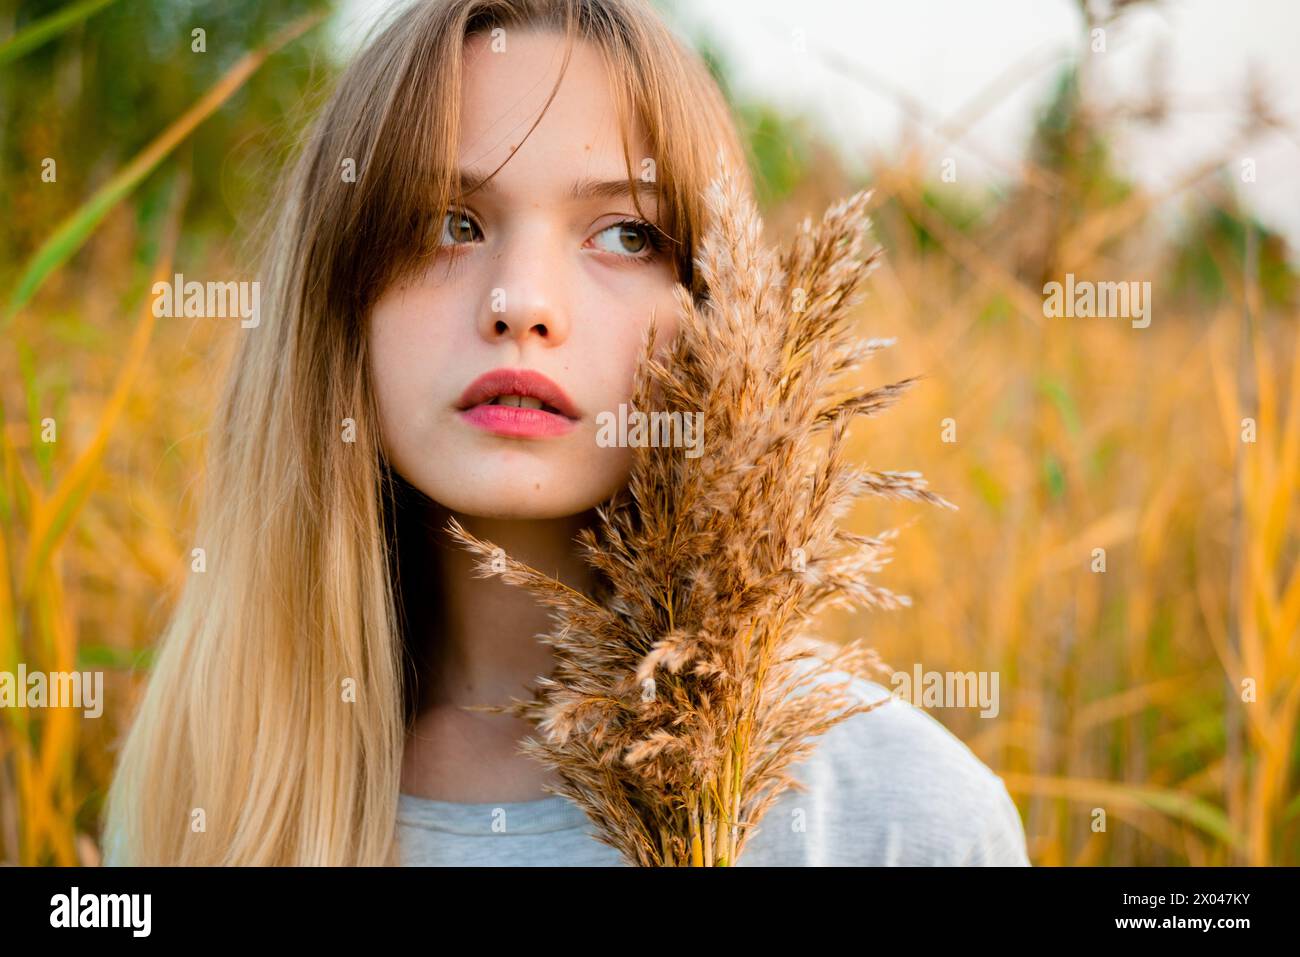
x: 685, y: 690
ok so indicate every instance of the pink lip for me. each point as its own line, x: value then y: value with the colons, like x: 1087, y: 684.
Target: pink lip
x: 513, y: 421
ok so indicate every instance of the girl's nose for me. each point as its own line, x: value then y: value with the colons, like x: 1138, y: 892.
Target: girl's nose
x: 530, y: 294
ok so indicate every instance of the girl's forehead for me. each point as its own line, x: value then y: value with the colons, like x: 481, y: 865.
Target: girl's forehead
x: 506, y: 84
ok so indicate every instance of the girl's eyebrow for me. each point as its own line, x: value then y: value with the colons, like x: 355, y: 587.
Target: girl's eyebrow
x: 470, y: 180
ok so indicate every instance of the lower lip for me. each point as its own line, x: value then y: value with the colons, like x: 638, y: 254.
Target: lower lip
x: 517, y: 422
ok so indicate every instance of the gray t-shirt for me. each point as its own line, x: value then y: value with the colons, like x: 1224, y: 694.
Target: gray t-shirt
x: 891, y: 786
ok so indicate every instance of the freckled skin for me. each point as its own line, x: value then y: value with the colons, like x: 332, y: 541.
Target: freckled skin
x: 574, y: 311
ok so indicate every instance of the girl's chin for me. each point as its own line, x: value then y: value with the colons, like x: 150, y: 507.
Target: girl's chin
x: 520, y: 498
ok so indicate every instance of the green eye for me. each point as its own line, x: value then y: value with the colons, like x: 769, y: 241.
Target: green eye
x: 457, y: 229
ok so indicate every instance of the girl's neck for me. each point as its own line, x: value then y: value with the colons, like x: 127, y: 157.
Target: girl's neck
x: 484, y: 648
x: 473, y: 642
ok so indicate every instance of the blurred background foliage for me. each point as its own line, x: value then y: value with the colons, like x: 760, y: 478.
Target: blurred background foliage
x: 1121, y: 691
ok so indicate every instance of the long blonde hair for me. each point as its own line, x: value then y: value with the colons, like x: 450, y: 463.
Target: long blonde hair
x: 276, y: 711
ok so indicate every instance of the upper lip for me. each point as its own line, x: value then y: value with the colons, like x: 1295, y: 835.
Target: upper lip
x: 524, y: 382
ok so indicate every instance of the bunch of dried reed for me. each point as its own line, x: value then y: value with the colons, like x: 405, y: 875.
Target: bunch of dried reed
x: 687, y: 686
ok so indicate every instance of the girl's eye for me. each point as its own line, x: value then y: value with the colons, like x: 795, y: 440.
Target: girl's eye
x: 628, y: 238
x: 458, y: 229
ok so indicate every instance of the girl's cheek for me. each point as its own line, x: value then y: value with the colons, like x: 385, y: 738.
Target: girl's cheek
x: 406, y: 353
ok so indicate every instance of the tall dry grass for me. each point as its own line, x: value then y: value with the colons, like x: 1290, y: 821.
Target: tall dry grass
x: 1121, y: 690
x: 102, y: 416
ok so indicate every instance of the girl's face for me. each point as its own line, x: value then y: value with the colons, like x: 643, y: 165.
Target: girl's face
x: 545, y: 268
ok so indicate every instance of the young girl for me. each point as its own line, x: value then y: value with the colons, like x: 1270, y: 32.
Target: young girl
x: 495, y: 200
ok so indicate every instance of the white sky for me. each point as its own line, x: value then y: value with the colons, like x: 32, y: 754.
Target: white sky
x: 940, y: 55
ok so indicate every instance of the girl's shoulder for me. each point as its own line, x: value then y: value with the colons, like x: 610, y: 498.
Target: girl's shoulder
x: 890, y: 786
